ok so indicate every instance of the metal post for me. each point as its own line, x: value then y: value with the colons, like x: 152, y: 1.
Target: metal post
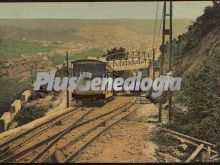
x: 162, y: 58
x: 170, y: 59
x: 67, y: 72
x: 171, y: 35
x: 163, y: 39
x: 153, y: 64
x: 148, y: 72
x: 71, y: 69
x: 32, y: 78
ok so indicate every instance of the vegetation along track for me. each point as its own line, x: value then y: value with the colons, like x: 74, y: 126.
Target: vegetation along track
x: 37, y: 151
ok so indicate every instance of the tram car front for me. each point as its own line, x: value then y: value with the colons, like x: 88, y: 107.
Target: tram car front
x: 98, y: 69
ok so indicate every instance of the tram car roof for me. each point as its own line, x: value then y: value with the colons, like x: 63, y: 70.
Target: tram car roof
x: 92, y: 61
x: 87, y: 60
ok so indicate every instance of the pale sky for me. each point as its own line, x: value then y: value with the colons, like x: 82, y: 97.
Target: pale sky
x: 99, y: 10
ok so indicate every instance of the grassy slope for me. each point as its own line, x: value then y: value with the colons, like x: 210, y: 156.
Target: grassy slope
x: 47, y: 27
x: 10, y: 90
x: 199, y: 94
x: 91, y: 52
x: 13, y: 48
x: 12, y: 31
x: 82, y: 55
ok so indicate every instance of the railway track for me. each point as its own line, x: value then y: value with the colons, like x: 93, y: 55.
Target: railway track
x: 19, y: 139
x: 205, y: 151
x: 61, y: 156
x: 79, y: 144
x: 80, y: 131
x: 15, y: 144
x: 40, y: 151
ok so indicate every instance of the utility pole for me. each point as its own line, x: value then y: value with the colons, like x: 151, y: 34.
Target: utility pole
x: 32, y: 78
x: 153, y: 68
x: 165, y: 32
x: 162, y: 59
x: 67, y: 72
x: 170, y: 59
x: 153, y: 64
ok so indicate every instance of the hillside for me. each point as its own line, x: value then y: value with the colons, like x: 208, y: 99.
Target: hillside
x: 138, y: 25
x: 197, y: 60
x: 80, y: 35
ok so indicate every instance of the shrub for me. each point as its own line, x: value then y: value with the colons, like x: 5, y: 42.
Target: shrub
x: 161, y: 138
x: 9, y: 92
x: 199, y: 94
x: 29, y: 114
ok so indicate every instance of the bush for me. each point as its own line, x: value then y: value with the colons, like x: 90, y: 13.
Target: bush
x: 161, y: 138
x: 11, y: 90
x: 13, y: 48
x: 116, y: 53
x: 29, y: 114
x: 199, y: 94
x: 199, y: 91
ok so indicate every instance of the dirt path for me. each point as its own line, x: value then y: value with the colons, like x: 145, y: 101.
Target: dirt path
x: 127, y: 141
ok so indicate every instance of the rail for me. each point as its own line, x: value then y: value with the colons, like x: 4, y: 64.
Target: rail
x: 201, y: 145
x: 16, y: 150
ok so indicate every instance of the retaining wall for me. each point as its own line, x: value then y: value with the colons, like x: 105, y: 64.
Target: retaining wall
x: 5, y: 120
x: 16, y: 106
x: 25, y: 96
